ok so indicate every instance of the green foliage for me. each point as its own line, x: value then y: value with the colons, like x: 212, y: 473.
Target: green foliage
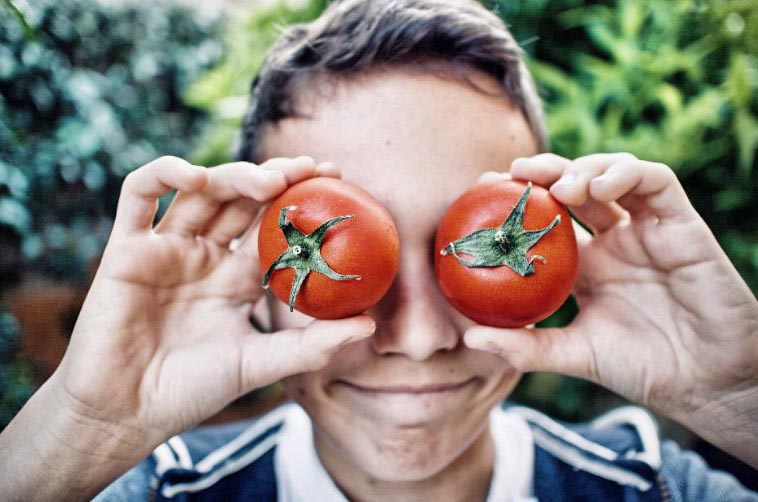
x: 224, y: 91
x: 16, y: 383
x: 669, y: 81
x: 88, y: 92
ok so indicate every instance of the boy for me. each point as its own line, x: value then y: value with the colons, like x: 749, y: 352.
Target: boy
x: 414, y: 101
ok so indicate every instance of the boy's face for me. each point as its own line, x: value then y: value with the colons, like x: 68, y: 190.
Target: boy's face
x: 407, y: 402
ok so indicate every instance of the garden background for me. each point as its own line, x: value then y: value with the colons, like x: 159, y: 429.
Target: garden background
x: 89, y: 91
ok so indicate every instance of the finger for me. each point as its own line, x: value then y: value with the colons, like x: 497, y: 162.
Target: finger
x: 492, y: 177
x: 237, y: 216
x: 600, y: 216
x: 268, y: 358
x: 557, y: 350
x: 543, y: 169
x: 546, y: 169
x: 640, y: 187
x: 247, y: 242
x: 573, y: 187
x: 231, y: 221
x: 294, y: 169
x: 190, y: 213
x: 329, y: 170
x: 142, y: 187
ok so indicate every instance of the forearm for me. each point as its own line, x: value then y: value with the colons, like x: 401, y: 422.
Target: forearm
x: 50, y: 452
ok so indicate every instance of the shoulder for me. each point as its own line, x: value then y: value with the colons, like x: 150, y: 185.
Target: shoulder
x: 224, y: 462
x: 619, y: 454
x: 616, y: 455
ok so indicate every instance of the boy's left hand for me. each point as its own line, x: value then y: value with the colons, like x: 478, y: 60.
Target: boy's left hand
x: 664, y: 318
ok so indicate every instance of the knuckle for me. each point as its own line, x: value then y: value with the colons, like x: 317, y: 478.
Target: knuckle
x: 552, y: 156
x: 555, y: 160
x: 167, y: 159
x: 306, y: 159
x: 663, y: 169
x: 273, y: 162
x: 130, y: 180
x: 625, y: 156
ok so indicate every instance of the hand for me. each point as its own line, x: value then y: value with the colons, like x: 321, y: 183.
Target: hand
x: 164, y: 340
x: 664, y: 318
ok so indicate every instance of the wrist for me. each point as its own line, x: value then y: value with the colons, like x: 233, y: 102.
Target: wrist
x: 728, y: 420
x: 55, y: 450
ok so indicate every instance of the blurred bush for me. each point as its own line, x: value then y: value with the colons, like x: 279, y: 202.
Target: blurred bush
x: 223, y: 92
x: 672, y: 81
x: 87, y: 93
x: 16, y: 382
x: 668, y: 80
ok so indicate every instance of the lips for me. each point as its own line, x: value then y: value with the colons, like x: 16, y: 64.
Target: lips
x: 408, y: 389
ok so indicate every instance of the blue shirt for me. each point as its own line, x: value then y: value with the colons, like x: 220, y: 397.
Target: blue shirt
x: 615, y: 457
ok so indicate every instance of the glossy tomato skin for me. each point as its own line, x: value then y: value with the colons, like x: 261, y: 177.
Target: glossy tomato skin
x: 498, y: 296
x: 366, y: 245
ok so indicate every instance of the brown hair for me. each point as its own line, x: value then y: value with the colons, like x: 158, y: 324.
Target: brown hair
x: 353, y: 36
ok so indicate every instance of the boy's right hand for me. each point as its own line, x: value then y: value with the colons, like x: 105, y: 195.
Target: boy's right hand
x: 164, y: 339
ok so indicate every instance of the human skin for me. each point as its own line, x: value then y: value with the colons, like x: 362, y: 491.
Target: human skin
x: 163, y: 339
x: 416, y: 142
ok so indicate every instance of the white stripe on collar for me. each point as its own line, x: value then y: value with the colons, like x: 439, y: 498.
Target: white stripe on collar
x: 646, y: 428
x: 575, y: 458
x: 566, y: 434
x: 260, y: 426
x: 228, y: 468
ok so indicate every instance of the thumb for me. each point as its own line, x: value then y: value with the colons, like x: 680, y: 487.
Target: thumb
x: 556, y: 350
x: 267, y: 358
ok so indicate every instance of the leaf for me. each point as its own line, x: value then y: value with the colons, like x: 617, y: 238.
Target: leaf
x: 746, y: 135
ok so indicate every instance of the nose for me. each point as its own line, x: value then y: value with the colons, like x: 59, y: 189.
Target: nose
x: 413, y: 318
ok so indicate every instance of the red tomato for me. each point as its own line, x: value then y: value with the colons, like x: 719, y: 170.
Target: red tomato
x: 360, y: 253
x: 492, y: 292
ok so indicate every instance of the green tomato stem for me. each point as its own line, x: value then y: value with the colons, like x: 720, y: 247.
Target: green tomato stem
x: 506, y: 245
x: 304, y: 254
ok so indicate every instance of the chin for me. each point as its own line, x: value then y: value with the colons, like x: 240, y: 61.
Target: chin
x: 399, y: 460
x: 407, y: 454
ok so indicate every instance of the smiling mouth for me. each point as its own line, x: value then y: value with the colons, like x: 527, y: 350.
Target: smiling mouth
x: 409, y: 389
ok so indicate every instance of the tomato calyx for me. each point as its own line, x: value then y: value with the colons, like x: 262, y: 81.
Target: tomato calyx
x: 506, y: 245
x: 304, y: 254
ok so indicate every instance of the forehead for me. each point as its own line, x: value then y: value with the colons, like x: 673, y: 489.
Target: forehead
x: 413, y: 139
